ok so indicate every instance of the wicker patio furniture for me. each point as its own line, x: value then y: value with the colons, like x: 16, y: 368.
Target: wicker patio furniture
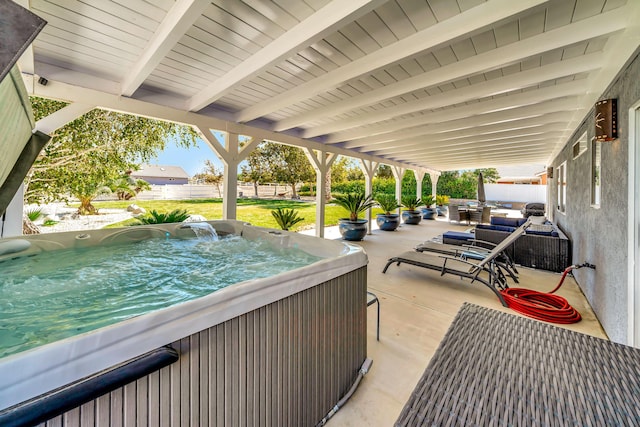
x: 458, y: 213
x: 480, y: 215
x: 551, y: 253
x: 494, y: 368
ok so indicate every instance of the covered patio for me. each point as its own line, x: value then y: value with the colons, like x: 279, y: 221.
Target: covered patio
x: 417, y: 307
x: 421, y: 86
x: 425, y: 86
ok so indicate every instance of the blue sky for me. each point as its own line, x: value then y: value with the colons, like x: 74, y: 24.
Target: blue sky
x: 191, y: 160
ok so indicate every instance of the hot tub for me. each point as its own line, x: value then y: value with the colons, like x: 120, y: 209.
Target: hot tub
x: 282, y: 348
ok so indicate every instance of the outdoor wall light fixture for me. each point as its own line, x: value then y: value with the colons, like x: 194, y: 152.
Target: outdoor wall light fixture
x: 606, y: 120
x: 43, y: 81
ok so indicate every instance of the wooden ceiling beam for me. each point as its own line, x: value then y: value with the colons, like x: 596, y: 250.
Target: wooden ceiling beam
x: 325, y: 21
x: 457, y: 26
x: 178, y: 20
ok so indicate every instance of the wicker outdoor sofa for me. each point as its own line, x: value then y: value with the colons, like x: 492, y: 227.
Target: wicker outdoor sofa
x: 543, y: 246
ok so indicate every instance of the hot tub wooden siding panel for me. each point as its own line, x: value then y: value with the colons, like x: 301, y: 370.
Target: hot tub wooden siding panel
x: 284, y: 364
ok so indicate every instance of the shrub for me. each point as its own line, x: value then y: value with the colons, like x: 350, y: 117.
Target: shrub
x: 384, y: 185
x: 33, y: 214
x: 155, y: 217
x: 442, y: 199
x: 286, y: 218
x: 348, y: 187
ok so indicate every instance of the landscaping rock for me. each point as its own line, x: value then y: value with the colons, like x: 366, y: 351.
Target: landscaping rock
x: 135, y: 209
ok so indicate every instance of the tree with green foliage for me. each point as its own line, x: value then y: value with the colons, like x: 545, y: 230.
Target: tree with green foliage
x: 88, y: 154
x: 279, y: 162
x: 292, y: 167
x: 258, y: 166
x: 210, y: 175
x: 489, y: 175
x: 457, y: 185
x: 384, y: 171
x: 408, y: 183
x: 464, y: 184
x: 346, y: 169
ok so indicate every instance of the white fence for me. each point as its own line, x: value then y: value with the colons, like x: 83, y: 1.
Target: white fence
x: 188, y: 191
x: 519, y: 193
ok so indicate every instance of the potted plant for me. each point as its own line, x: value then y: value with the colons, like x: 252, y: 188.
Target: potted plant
x: 428, y: 212
x: 353, y: 228
x: 411, y: 215
x: 442, y: 201
x: 387, y: 221
x: 286, y: 218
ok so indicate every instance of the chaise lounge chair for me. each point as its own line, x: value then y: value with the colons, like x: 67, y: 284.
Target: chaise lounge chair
x: 485, y: 271
x: 473, y: 250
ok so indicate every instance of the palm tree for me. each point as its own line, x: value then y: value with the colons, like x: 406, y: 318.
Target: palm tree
x: 126, y: 187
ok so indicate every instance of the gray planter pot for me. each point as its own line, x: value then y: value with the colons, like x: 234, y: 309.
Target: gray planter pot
x: 388, y: 222
x: 411, y: 217
x: 429, y: 213
x: 352, y: 230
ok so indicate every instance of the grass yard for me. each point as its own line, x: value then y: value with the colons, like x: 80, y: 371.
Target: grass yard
x: 253, y: 211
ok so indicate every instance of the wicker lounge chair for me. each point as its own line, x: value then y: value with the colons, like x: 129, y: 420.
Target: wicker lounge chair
x: 486, y: 271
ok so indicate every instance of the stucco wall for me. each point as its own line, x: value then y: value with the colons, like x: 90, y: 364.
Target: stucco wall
x: 599, y: 235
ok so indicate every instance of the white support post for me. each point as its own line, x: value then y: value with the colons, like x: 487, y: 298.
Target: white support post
x: 398, y: 173
x: 231, y: 155
x: 369, y: 168
x: 419, y: 177
x: 434, y: 183
x: 11, y: 221
x: 321, y: 162
x: 230, y: 179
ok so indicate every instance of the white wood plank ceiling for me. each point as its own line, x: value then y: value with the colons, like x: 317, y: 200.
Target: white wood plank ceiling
x: 438, y: 84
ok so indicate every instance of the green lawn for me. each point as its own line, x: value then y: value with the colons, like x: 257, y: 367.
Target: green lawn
x: 254, y: 211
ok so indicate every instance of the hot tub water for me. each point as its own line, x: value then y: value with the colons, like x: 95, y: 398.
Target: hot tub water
x: 54, y: 295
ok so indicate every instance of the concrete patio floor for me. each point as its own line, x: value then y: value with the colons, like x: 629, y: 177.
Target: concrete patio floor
x: 416, y: 309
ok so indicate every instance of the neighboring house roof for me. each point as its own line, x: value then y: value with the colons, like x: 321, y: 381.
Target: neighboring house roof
x: 160, y: 171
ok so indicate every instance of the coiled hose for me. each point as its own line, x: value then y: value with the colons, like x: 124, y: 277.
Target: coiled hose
x: 544, y: 306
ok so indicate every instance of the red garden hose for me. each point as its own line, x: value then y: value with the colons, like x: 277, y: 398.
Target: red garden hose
x: 544, y: 305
